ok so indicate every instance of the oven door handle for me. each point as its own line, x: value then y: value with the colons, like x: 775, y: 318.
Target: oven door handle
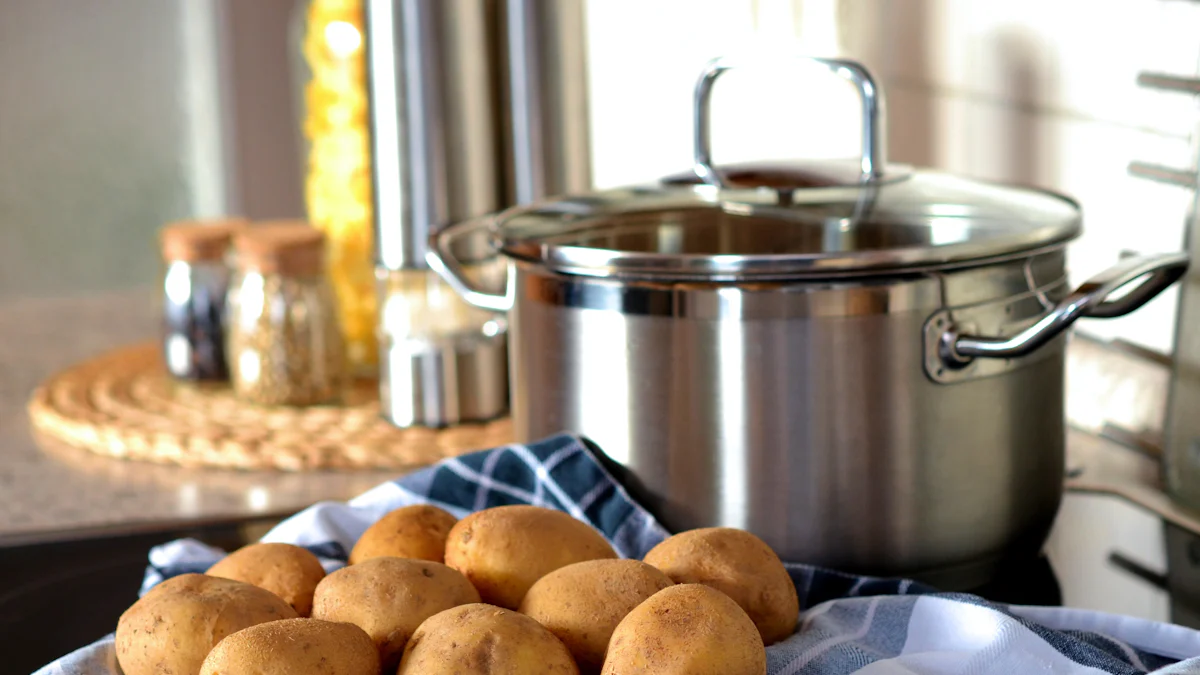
x: 1092, y: 299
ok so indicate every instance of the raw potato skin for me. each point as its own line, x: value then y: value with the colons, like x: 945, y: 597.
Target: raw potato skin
x: 417, y: 532
x: 688, y: 629
x: 295, y: 647
x: 288, y: 571
x: 484, y: 639
x: 389, y: 598
x: 504, y: 550
x: 173, y: 627
x: 583, y: 603
x: 739, y: 565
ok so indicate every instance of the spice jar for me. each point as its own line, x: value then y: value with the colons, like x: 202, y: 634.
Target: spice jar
x: 285, y: 345
x: 194, y: 289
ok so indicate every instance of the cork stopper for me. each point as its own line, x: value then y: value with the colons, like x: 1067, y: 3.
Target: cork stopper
x: 284, y: 247
x: 198, y: 240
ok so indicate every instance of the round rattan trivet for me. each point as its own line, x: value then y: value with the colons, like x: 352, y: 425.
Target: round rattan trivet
x: 124, y: 404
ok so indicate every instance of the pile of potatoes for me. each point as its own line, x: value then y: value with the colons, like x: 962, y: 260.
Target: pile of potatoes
x: 509, y: 590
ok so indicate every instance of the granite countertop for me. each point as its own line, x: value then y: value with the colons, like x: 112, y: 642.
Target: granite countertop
x: 51, y: 492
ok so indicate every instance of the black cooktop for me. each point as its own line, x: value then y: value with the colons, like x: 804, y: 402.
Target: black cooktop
x: 1028, y: 583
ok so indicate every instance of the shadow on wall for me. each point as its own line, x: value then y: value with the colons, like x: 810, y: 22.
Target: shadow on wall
x: 1022, y: 150
x: 880, y: 33
x: 933, y: 126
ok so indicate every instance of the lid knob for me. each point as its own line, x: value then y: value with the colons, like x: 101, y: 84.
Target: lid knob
x: 873, y: 160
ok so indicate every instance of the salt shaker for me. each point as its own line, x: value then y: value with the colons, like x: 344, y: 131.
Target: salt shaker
x: 194, y: 289
x: 285, y: 346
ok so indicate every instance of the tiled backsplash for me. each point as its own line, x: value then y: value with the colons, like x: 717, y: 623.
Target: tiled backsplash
x: 1039, y: 92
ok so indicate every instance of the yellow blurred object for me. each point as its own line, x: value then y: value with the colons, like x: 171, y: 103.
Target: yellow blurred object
x: 338, y: 176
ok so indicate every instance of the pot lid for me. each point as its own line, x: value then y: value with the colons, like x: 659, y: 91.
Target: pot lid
x: 780, y: 221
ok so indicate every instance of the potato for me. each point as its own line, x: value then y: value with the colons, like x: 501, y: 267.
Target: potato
x: 503, y: 550
x: 417, y: 532
x: 389, y: 597
x: 288, y: 571
x: 174, y: 626
x: 688, y: 629
x: 482, y: 638
x: 294, y: 647
x: 583, y: 603
x: 739, y: 565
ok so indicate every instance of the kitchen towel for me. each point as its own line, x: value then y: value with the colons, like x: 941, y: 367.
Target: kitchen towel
x: 848, y: 624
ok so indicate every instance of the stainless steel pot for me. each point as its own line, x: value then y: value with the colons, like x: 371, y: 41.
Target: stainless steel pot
x: 864, y: 367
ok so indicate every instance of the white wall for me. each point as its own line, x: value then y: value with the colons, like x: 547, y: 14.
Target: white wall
x: 1039, y: 92
x: 118, y: 116
x: 100, y: 139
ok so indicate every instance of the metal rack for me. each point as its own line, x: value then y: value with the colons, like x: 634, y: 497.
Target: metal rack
x: 1184, y: 178
x: 1181, y: 457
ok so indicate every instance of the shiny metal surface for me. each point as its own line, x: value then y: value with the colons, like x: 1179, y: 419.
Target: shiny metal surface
x: 1181, y: 460
x: 686, y: 232
x: 1092, y: 299
x: 445, y: 382
x: 194, y: 319
x: 1171, y: 83
x: 766, y: 356
x: 873, y: 161
x: 437, y: 145
x: 1164, y: 174
x: 443, y: 260
x: 442, y: 361
x: 802, y: 410
x: 434, y: 119
x: 966, y: 287
x: 723, y: 230
x: 764, y: 407
x: 475, y: 104
x: 992, y: 317
x: 547, y: 99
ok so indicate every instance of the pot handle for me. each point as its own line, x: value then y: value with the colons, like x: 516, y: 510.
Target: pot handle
x: 1089, y: 300
x: 441, y: 259
x: 873, y: 159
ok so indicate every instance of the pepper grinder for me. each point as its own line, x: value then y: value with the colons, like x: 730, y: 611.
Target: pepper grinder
x: 475, y: 105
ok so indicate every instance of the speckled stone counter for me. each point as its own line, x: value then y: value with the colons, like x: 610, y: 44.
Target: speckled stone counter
x: 50, y: 492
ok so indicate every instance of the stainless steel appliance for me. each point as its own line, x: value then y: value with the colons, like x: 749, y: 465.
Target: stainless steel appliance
x: 863, y: 365
x: 475, y: 105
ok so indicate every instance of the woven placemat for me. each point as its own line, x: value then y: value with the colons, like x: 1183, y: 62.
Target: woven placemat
x: 124, y: 404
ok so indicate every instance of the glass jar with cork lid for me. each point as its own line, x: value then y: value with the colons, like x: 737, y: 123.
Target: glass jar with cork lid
x: 285, y: 346
x: 195, y: 282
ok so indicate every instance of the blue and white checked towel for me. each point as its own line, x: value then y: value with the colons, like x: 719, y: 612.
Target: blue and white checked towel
x: 849, y: 624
